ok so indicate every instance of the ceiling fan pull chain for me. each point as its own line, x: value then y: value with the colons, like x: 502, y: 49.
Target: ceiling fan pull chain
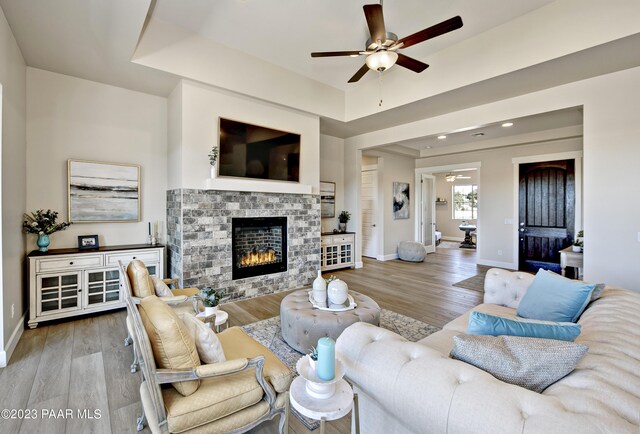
x: 380, y: 87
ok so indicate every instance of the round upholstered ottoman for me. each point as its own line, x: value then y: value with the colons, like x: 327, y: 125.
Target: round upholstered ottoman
x: 411, y: 251
x: 302, y: 325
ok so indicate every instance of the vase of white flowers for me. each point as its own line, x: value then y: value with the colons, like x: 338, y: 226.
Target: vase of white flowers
x: 43, y: 223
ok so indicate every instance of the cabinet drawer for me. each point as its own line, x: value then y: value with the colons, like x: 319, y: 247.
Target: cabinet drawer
x: 147, y: 257
x: 339, y: 239
x: 74, y: 263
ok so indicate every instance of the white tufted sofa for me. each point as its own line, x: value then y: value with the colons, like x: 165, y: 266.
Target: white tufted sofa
x: 407, y: 387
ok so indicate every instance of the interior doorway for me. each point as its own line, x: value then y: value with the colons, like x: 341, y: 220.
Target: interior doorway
x: 369, y: 209
x: 428, y: 184
x: 547, y: 213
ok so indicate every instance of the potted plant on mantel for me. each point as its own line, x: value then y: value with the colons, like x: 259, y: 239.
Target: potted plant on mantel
x: 343, y: 218
x: 210, y: 299
x: 43, y: 223
x: 213, y: 158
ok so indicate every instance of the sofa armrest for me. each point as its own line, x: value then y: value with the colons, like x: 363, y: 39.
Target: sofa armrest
x: 426, y: 391
x: 506, y: 288
x: 222, y: 368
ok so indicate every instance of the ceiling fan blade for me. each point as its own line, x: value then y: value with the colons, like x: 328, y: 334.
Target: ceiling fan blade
x: 335, y: 53
x: 431, y: 32
x: 375, y: 21
x: 411, y: 63
x: 358, y: 75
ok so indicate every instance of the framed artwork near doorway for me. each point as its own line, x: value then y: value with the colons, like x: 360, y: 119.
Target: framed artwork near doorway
x: 327, y: 199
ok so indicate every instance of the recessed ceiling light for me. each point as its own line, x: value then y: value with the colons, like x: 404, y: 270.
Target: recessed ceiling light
x: 507, y: 124
x: 442, y: 137
x: 427, y: 147
x: 354, y: 55
x: 477, y: 134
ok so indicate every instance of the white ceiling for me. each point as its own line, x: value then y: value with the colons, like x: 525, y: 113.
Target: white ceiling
x: 465, y: 134
x: 284, y: 32
x: 90, y: 39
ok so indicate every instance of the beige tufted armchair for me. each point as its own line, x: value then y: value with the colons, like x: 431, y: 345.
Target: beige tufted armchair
x: 179, y: 394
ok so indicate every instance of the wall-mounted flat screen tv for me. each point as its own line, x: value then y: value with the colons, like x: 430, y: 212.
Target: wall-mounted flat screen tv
x: 250, y: 151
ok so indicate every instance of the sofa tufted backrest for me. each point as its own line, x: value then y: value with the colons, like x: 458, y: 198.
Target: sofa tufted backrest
x: 505, y: 287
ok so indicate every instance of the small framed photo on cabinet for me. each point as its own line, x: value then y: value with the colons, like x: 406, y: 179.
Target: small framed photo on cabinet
x: 88, y: 242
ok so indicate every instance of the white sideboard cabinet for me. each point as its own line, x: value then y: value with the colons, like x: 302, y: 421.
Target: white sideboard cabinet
x: 70, y: 282
x: 338, y: 250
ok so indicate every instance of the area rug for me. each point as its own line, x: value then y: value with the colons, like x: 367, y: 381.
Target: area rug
x: 267, y: 332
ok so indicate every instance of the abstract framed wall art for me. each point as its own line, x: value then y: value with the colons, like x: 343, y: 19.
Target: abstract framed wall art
x: 103, y: 192
x: 400, y: 200
x: 327, y: 199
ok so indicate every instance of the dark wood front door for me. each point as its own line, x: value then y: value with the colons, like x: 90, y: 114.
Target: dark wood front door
x: 547, y: 213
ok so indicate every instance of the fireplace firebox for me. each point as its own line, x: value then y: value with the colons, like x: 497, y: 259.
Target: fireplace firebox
x: 259, y: 246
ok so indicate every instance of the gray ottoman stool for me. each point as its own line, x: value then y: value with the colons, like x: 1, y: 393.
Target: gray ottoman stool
x: 411, y: 251
x: 302, y: 325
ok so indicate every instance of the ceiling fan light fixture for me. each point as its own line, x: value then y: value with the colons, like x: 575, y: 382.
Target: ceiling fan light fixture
x: 381, y: 60
x: 450, y: 177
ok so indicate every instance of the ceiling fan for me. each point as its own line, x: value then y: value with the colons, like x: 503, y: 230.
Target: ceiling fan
x: 381, y: 48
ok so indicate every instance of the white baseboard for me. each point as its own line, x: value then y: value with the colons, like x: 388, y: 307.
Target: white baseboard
x: 390, y: 257
x: 359, y: 264
x: 459, y: 239
x: 498, y: 264
x: 5, y: 355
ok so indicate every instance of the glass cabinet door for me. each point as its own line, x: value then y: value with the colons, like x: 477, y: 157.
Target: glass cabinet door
x: 58, y: 292
x: 331, y: 255
x: 346, y: 253
x: 103, y: 286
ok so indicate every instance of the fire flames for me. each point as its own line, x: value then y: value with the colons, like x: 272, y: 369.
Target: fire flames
x: 258, y: 258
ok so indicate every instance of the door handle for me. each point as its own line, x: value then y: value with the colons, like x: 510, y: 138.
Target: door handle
x: 374, y: 225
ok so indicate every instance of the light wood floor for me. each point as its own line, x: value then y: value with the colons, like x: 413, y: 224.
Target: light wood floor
x: 83, y: 364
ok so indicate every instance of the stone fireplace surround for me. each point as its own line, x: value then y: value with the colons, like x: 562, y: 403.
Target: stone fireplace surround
x: 199, y: 239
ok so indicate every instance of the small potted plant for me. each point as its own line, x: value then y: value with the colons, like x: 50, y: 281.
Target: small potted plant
x: 213, y: 158
x: 210, y: 299
x: 43, y: 223
x: 313, y: 358
x: 577, y: 246
x: 344, y: 218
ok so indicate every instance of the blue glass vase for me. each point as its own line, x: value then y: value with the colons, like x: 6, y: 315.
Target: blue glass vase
x: 43, y: 242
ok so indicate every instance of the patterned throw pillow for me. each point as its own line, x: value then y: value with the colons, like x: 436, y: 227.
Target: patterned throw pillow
x: 207, y: 343
x: 162, y: 290
x: 532, y: 363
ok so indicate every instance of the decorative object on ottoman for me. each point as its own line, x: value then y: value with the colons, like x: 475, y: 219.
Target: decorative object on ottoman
x: 411, y: 251
x: 43, y: 223
x: 302, y: 325
x: 320, y: 290
x: 210, y: 299
x: 344, y: 218
x: 337, y: 292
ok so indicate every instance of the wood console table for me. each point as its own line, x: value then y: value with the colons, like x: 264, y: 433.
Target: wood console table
x: 569, y: 258
x: 70, y: 282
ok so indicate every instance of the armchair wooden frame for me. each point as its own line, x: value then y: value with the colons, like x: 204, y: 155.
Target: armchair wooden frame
x: 153, y: 408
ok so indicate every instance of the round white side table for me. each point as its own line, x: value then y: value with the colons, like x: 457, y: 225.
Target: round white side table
x: 335, y: 407
x: 221, y: 319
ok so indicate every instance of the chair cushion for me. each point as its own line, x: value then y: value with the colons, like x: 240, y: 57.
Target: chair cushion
x: 551, y: 297
x: 141, y: 284
x: 237, y: 344
x: 172, y: 345
x: 214, y: 399
x: 161, y: 289
x: 207, y: 343
x: 483, y: 324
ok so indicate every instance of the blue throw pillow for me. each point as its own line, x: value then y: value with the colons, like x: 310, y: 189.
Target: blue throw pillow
x: 484, y: 324
x: 551, y: 297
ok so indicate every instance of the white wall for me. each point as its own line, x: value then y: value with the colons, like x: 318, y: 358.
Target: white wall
x: 202, y: 106
x: 13, y: 182
x: 394, y: 168
x: 332, y: 170
x: 444, y: 212
x: 611, y: 134
x: 71, y: 118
